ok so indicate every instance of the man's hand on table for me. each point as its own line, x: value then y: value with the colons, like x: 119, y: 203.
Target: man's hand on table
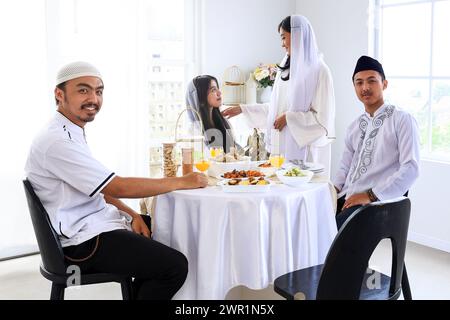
x: 193, y: 180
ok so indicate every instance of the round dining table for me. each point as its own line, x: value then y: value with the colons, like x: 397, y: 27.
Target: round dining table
x: 244, y: 239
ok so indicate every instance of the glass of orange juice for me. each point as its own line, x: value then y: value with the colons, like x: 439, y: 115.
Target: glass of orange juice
x: 215, y: 151
x: 202, y: 165
x: 276, y: 160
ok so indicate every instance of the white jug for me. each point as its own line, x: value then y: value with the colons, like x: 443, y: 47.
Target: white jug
x: 250, y: 90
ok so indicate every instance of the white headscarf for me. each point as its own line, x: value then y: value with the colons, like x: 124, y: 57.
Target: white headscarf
x: 192, y: 101
x: 304, y: 69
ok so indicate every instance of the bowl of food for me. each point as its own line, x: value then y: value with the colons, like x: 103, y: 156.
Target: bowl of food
x: 221, y: 163
x: 294, y: 176
x: 218, y: 168
x: 242, y: 174
x: 266, y: 168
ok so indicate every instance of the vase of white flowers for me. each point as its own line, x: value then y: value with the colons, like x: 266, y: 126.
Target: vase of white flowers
x: 264, y: 75
x: 263, y: 94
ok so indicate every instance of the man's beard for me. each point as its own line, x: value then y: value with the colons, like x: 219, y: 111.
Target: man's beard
x: 89, y: 118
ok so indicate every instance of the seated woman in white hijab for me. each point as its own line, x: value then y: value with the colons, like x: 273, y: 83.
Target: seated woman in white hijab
x: 204, y: 96
x: 299, y: 118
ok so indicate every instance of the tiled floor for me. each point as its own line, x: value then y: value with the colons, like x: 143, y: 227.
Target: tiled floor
x: 428, y: 271
x: 20, y: 279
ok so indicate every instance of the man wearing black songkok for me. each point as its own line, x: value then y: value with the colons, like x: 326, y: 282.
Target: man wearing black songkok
x: 368, y: 63
x: 381, y: 153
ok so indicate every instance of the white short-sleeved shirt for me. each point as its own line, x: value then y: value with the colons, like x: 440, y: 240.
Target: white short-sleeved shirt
x: 68, y: 181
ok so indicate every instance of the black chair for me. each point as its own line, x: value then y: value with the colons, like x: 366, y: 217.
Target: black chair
x: 53, y: 266
x: 405, y: 281
x: 345, y: 275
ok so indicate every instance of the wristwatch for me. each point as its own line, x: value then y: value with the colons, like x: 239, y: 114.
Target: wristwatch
x: 371, y: 195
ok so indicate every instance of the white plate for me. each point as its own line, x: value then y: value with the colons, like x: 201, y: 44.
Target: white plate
x: 268, y: 171
x: 312, y: 166
x: 250, y: 188
x: 315, y: 166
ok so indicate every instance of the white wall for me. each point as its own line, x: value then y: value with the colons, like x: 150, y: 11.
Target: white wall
x: 342, y: 32
x: 243, y: 33
x: 430, y: 219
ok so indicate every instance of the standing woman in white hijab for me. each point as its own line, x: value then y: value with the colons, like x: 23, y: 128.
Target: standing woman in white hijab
x: 299, y: 118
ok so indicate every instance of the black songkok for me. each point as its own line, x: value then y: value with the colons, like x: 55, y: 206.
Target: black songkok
x: 367, y: 63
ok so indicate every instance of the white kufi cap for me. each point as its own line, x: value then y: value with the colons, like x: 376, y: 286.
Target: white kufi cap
x: 76, y: 70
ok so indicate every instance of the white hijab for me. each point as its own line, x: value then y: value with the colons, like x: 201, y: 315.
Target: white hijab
x: 304, y: 69
x: 193, y: 102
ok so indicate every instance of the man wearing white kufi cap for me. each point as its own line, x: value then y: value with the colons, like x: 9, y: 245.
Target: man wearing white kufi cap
x: 76, y: 70
x: 97, y: 231
x: 80, y: 71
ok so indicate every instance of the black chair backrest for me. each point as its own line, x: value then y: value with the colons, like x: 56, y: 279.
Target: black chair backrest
x: 48, y: 241
x: 348, y: 257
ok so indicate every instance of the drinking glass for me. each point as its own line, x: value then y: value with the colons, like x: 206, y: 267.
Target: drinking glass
x: 202, y: 165
x: 276, y: 160
x: 187, y: 156
x: 215, y: 151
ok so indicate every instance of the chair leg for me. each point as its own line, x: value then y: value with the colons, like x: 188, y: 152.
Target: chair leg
x: 405, y: 285
x: 57, y: 291
x: 127, y: 289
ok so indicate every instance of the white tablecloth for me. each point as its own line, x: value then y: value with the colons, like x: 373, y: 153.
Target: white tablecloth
x: 248, y: 239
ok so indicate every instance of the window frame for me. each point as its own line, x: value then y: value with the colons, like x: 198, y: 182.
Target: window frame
x: 375, y: 48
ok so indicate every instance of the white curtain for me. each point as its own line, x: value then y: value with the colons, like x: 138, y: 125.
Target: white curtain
x: 111, y: 35
x: 37, y: 37
x: 24, y: 106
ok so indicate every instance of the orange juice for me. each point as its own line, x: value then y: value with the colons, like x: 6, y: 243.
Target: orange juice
x: 276, y: 161
x: 202, y: 165
x: 214, y: 152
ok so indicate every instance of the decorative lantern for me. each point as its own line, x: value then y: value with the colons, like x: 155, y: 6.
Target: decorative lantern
x: 233, y: 88
x: 169, y: 149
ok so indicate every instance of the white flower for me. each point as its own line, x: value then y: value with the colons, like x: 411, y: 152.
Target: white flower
x: 263, y: 74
